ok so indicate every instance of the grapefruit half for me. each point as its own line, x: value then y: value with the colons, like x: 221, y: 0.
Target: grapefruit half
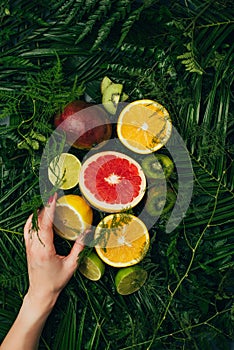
x: 112, y: 181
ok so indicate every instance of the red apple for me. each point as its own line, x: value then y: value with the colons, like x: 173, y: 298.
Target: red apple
x: 85, y: 124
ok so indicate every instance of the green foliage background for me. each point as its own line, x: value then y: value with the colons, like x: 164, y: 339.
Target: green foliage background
x: 179, y: 53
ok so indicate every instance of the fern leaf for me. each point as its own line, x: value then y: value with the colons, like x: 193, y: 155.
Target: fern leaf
x: 132, y: 18
x: 191, y: 64
x: 103, y: 7
x: 119, y: 12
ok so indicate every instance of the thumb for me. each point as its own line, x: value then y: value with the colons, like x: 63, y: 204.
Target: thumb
x: 72, y: 258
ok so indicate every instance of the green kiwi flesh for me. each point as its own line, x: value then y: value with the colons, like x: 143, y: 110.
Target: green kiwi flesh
x: 157, y: 166
x: 158, y: 203
x: 105, y: 83
x: 111, y: 97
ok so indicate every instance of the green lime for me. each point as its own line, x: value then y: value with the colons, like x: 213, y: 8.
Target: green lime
x: 64, y: 170
x: 92, y: 267
x: 129, y: 279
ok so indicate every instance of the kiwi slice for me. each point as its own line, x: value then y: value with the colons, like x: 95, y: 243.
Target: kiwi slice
x: 158, y: 202
x: 124, y: 97
x: 111, y: 97
x: 157, y: 166
x: 105, y: 83
x: 112, y: 93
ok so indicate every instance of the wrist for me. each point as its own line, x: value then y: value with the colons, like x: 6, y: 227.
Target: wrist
x: 40, y: 304
x: 26, y: 330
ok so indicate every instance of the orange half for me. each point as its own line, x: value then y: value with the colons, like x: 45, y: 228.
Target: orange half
x: 144, y: 126
x: 121, y: 240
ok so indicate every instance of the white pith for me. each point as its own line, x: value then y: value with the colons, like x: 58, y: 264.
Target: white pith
x: 113, y: 179
x: 144, y: 126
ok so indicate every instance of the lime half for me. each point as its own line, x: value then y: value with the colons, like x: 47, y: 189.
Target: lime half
x: 130, y: 279
x: 64, y: 170
x: 92, y: 267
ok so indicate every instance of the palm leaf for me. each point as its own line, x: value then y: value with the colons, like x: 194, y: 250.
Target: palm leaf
x: 51, y: 48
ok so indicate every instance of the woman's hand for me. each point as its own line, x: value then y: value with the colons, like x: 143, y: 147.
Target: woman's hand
x: 48, y: 271
x: 48, y: 274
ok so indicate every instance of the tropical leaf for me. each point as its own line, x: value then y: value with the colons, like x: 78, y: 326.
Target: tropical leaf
x: 55, y: 51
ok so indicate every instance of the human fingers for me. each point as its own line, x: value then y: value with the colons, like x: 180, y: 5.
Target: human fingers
x: 43, y: 234
x: 28, y: 229
x: 46, y: 215
x: 45, y: 220
x: 72, y: 258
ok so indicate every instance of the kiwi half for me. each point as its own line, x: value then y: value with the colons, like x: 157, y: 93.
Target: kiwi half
x: 111, y: 97
x: 157, y: 166
x: 158, y: 202
x: 112, y: 94
x: 105, y: 83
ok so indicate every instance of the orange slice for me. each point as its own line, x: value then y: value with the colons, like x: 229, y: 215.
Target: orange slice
x: 72, y: 216
x: 121, y: 240
x: 144, y: 126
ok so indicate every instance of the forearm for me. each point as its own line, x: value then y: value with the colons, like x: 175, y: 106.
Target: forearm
x: 26, y: 330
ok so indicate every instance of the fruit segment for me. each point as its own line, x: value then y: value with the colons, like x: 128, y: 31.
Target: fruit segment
x: 117, y: 181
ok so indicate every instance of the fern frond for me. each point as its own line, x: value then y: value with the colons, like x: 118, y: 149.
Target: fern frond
x: 103, y: 7
x: 119, y: 13
x: 74, y: 11
x: 13, y: 276
x: 131, y: 50
x: 132, y: 19
x: 10, y: 302
x: 190, y: 62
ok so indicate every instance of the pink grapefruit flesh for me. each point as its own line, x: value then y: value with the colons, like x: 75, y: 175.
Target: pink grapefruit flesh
x: 112, y: 181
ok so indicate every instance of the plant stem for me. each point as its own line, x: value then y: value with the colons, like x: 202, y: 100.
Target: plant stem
x: 194, y: 249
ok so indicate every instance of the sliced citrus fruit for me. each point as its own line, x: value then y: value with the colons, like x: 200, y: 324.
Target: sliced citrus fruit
x: 112, y: 181
x: 121, y: 239
x: 63, y: 171
x: 144, y: 126
x: 130, y: 279
x: 72, y: 216
x: 92, y: 267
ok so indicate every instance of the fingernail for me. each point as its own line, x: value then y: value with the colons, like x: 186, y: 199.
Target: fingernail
x: 50, y: 200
